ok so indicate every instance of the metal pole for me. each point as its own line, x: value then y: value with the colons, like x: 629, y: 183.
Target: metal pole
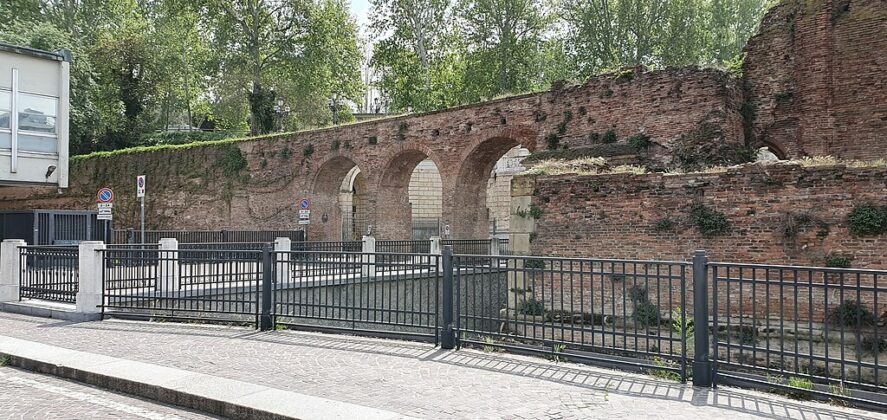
x: 142, y: 198
x: 701, y: 361
x: 265, y: 321
x: 448, y: 335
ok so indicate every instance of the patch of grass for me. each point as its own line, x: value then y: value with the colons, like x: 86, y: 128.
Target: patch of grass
x: 802, y: 384
x: 813, y: 161
x: 628, y: 169
x: 609, y: 137
x: 308, y: 150
x: 662, y: 373
x: 489, y: 345
x: 280, y: 327
x: 708, y: 221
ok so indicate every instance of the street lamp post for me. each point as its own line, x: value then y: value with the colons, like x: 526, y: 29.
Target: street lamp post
x: 334, y: 109
x: 281, y: 111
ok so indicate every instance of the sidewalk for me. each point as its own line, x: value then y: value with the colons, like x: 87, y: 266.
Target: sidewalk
x: 403, y: 378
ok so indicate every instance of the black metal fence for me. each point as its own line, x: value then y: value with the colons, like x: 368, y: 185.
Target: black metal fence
x: 157, y: 284
x: 805, y: 330
x: 631, y: 313
x: 206, y: 236
x: 49, y: 273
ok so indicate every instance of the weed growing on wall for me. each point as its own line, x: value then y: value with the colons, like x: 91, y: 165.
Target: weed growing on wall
x: 232, y: 160
x: 708, y: 221
x: 837, y: 261
x: 867, y: 220
x: 852, y: 314
x: 640, y: 142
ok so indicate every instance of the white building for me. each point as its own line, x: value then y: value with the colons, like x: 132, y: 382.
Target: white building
x: 34, y: 106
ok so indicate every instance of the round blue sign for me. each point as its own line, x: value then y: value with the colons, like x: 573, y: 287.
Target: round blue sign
x: 105, y: 195
x: 304, y: 204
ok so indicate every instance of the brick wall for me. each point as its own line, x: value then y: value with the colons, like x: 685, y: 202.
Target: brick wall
x: 616, y: 216
x: 814, y: 78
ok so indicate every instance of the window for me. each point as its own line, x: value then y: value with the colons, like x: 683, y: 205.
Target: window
x: 36, y: 113
x: 5, y: 107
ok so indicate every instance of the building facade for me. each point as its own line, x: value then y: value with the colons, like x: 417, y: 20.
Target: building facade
x: 34, y: 107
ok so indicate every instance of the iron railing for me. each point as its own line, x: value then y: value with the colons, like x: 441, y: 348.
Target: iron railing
x: 49, y: 273
x: 194, y: 236
x: 156, y: 284
x: 805, y: 330
x: 623, y: 312
x: 327, y: 246
x: 349, y: 291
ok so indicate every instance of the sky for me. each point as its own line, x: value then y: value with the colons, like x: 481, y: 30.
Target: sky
x: 361, y: 10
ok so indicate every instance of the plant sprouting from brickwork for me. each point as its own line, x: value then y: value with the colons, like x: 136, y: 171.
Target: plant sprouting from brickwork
x: 640, y: 142
x: 308, y: 150
x: 232, y: 161
x: 664, y: 225
x: 646, y: 313
x: 837, y: 261
x: 867, y: 220
x: 708, y: 221
x: 609, y: 137
x: 852, y: 314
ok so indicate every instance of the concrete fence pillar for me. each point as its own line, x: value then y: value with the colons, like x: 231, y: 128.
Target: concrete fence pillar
x: 437, y: 249
x: 494, y: 246
x: 89, y: 295
x: 10, y: 269
x: 168, y: 278
x: 283, y: 273
x: 368, y: 259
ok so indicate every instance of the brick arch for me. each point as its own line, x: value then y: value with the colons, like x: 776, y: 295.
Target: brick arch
x: 326, y: 214
x: 466, y: 211
x: 393, y: 213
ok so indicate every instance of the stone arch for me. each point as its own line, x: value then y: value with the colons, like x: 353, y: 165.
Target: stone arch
x: 326, y: 195
x: 467, y: 214
x: 393, y: 213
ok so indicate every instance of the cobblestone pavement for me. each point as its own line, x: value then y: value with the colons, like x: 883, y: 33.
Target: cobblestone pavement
x: 26, y: 395
x: 414, y: 379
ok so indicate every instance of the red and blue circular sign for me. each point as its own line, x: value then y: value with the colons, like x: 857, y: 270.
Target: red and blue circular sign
x: 304, y: 204
x: 105, y: 195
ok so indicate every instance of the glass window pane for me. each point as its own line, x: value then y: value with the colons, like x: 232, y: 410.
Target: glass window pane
x: 29, y: 121
x: 37, y: 143
x: 4, y: 118
x: 5, y: 141
x: 5, y: 100
x: 36, y: 104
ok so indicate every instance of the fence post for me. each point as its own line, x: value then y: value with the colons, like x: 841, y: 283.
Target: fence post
x: 10, y: 269
x: 494, y: 246
x: 437, y: 250
x: 89, y: 294
x: 282, y: 248
x: 701, y: 362
x: 448, y: 335
x: 168, y: 279
x: 368, y: 263
x: 265, y: 321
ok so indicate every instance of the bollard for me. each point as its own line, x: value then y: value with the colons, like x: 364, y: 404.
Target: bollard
x: 702, y: 373
x: 447, y: 335
x: 265, y: 321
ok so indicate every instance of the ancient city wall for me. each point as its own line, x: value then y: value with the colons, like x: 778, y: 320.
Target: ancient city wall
x: 814, y: 79
x: 778, y: 213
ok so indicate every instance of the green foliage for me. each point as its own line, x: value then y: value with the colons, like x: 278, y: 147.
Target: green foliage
x: 232, y: 160
x: 562, y: 128
x: 837, y: 261
x: 5, y: 360
x: 552, y: 141
x: 662, y: 373
x: 624, y: 75
x: 708, y: 221
x: 286, y: 153
x: 800, y: 383
x: 609, y: 137
x: 335, y: 145
x: 531, y: 306
x: 640, y: 142
x: 261, y: 105
x: 664, y: 225
x: 872, y: 345
x: 534, y: 264
x: 852, y: 314
x: 867, y: 220
x: 308, y: 150
x: 646, y: 313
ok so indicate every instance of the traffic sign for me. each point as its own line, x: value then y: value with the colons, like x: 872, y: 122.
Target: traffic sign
x: 105, y: 206
x: 304, y: 204
x: 304, y: 213
x: 105, y: 195
x: 304, y: 222
x: 140, y: 186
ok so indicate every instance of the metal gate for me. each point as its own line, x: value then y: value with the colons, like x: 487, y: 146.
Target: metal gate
x: 53, y: 227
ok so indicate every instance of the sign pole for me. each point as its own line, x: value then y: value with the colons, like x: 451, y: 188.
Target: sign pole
x: 143, y: 218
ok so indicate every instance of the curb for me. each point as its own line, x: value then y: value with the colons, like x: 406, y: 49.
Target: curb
x: 204, y: 393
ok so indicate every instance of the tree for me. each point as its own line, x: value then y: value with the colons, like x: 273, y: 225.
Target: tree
x: 415, y: 47
x: 505, y: 42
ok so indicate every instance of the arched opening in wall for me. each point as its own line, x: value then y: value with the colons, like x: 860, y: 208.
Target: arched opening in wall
x: 400, y: 190
x: 769, y: 153
x: 482, y: 203
x: 339, y: 203
x: 426, y: 200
